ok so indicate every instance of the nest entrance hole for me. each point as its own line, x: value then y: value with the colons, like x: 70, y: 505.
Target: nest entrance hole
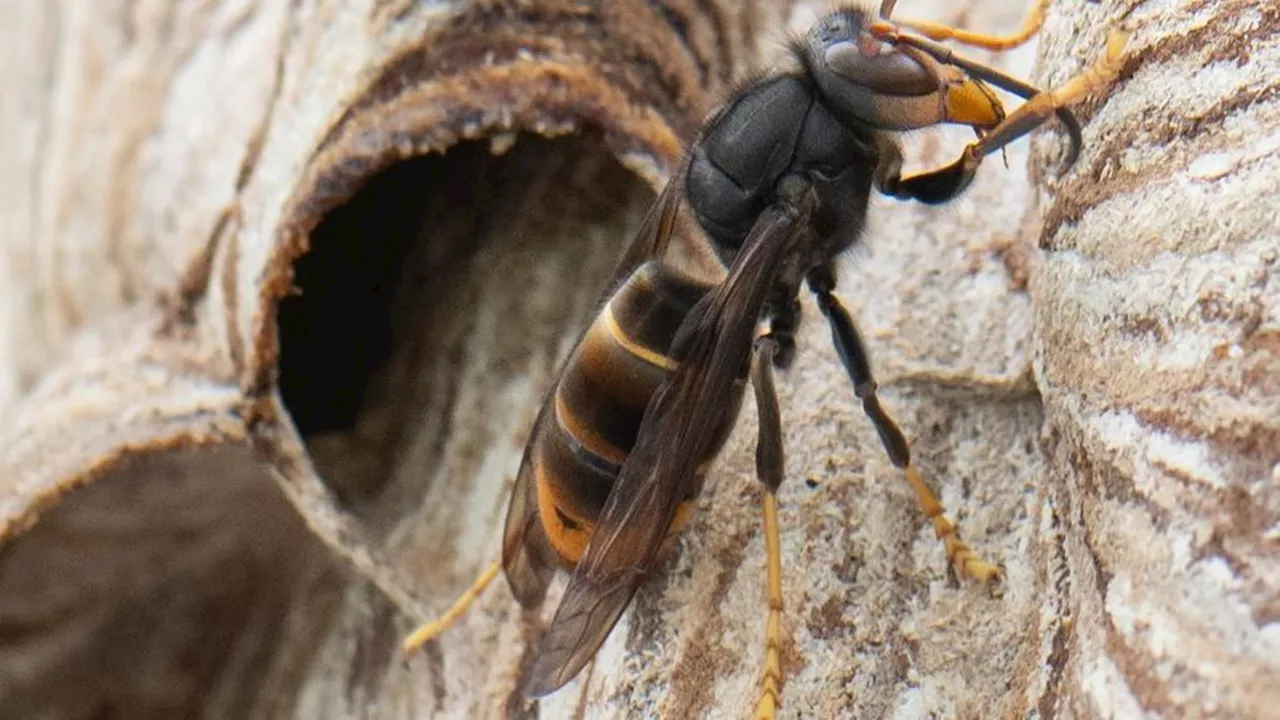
x: 436, y: 305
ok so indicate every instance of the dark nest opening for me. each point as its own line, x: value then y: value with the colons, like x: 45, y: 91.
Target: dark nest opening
x: 180, y: 583
x: 444, y: 283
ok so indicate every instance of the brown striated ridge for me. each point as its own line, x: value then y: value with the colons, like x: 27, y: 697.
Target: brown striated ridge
x: 1101, y: 180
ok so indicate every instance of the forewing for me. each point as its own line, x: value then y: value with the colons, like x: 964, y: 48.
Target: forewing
x: 670, y: 235
x: 673, y: 438
x: 654, y: 234
x: 527, y: 558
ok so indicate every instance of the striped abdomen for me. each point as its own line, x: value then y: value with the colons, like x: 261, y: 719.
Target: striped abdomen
x: 599, y: 403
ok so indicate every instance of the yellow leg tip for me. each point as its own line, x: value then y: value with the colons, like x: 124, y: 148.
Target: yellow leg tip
x: 771, y: 679
x: 429, y: 631
x: 1116, y: 43
x: 423, y: 635
x: 966, y: 564
x: 990, y: 575
x: 767, y: 707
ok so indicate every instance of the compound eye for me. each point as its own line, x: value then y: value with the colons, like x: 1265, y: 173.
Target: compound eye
x: 880, y: 66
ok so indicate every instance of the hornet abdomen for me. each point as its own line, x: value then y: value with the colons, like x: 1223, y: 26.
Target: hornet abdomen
x: 600, y: 401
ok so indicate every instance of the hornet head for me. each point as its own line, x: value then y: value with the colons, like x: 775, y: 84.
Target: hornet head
x: 866, y: 77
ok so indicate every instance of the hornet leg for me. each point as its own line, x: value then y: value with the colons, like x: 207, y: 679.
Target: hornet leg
x: 429, y: 631
x: 944, y: 183
x: 938, y: 31
x: 769, y: 469
x: 963, y: 561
